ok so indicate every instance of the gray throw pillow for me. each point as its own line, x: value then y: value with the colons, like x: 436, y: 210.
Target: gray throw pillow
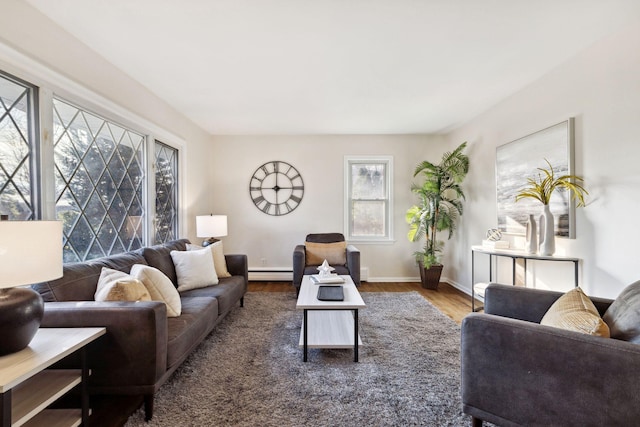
x: 623, y: 315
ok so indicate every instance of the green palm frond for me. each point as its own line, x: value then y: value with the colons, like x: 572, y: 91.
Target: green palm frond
x: 542, y: 187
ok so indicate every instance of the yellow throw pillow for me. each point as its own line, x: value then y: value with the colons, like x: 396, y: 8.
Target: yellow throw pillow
x: 574, y: 311
x: 334, y: 253
x: 114, y: 285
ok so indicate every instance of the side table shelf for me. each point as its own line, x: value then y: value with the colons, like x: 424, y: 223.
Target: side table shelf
x: 514, y: 255
x: 28, y: 386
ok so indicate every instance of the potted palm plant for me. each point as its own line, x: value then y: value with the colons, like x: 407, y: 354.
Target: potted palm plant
x: 541, y: 188
x: 439, y: 208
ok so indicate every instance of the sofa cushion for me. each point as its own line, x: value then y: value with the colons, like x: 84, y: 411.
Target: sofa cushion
x: 159, y: 286
x: 80, y: 279
x: 334, y: 253
x: 227, y: 292
x: 219, y: 261
x: 158, y: 256
x: 574, y: 311
x: 114, y: 285
x: 185, y: 332
x: 623, y: 315
x: 194, y: 269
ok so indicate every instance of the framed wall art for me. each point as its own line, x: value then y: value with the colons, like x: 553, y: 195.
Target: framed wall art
x: 520, y: 159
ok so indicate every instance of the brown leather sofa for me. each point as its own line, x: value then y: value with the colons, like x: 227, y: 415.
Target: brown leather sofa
x: 142, y: 346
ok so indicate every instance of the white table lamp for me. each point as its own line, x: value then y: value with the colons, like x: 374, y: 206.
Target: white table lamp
x: 211, y: 226
x: 30, y: 252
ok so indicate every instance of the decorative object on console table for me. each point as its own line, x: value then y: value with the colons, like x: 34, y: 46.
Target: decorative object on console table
x: 439, y: 209
x: 494, y: 235
x: 211, y: 226
x: 547, y: 237
x: 542, y: 188
x: 531, y: 241
x: 23, y: 262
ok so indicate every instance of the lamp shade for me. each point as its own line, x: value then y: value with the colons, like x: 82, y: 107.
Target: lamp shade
x: 211, y: 225
x: 30, y: 252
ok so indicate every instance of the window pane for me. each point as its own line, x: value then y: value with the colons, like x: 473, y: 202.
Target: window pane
x: 99, y: 184
x: 16, y: 148
x: 368, y: 181
x: 368, y: 219
x: 166, y: 165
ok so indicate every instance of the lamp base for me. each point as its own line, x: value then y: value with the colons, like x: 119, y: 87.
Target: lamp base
x: 21, y: 311
x: 209, y: 241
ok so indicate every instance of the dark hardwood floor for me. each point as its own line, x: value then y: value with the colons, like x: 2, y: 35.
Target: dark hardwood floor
x: 113, y: 411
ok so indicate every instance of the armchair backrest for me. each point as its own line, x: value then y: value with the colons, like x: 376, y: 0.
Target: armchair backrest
x: 325, y: 237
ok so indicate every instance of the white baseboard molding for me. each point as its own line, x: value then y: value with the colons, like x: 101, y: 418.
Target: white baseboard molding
x: 270, y: 274
x: 456, y: 285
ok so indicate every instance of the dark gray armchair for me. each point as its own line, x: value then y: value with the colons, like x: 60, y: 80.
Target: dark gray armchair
x: 516, y: 372
x: 301, y: 265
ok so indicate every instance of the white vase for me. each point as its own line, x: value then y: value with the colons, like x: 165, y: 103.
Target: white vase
x: 547, y: 233
x: 531, y: 243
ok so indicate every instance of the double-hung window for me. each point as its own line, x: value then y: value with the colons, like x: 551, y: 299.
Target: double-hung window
x: 368, y: 184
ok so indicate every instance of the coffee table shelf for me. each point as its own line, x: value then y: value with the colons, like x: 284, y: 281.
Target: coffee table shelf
x: 329, y: 329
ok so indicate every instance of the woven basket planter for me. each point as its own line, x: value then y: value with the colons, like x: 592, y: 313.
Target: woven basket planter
x: 430, y: 277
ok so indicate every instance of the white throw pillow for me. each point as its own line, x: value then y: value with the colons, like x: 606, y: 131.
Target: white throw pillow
x: 194, y: 269
x: 219, y: 261
x: 159, y: 286
x: 115, y: 285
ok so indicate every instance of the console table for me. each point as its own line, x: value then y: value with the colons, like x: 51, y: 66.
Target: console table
x: 514, y: 255
x: 28, y: 387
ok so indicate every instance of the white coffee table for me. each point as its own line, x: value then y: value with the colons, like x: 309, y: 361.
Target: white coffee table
x: 329, y: 324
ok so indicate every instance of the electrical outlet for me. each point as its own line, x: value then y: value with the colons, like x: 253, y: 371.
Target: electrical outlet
x: 263, y: 261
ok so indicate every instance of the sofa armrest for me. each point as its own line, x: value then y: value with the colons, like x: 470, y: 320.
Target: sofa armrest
x: 134, y: 350
x: 299, y: 262
x: 353, y: 263
x: 522, y: 373
x: 238, y: 265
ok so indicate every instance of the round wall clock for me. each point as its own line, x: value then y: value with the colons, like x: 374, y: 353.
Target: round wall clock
x: 276, y: 188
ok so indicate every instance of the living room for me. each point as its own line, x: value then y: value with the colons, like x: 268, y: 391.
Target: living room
x: 593, y: 80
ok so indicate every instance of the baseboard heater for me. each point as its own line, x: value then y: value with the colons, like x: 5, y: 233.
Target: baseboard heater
x: 271, y: 274
x: 279, y: 274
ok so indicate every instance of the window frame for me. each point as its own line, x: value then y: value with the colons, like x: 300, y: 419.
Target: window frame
x: 34, y: 156
x: 49, y: 84
x: 387, y: 161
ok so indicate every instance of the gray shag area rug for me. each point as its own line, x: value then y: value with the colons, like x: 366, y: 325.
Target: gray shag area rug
x: 249, y: 371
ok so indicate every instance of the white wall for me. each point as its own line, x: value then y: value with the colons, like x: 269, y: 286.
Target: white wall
x: 601, y: 89
x: 36, y: 50
x: 320, y: 160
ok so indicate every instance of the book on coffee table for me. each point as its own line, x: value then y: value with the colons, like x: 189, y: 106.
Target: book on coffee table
x: 333, y: 278
x: 330, y: 293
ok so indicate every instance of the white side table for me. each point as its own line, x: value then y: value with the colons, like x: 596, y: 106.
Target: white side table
x: 27, y: 387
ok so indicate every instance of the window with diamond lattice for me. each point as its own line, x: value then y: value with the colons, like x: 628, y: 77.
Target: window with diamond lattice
x: 17, y: 181
x: 166, y: 168
x: 99, y: 179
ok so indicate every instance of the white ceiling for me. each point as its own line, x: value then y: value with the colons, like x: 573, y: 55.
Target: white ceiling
x: 337, y: 66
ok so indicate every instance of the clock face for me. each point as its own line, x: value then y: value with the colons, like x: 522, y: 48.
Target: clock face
x: 276, y: 188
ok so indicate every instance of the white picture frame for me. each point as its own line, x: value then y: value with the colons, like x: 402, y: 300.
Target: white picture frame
x: 519, y: 160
